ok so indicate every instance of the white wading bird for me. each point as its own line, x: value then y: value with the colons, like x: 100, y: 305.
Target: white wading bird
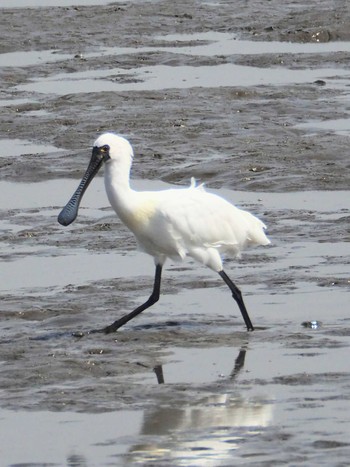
x: 172, y: 223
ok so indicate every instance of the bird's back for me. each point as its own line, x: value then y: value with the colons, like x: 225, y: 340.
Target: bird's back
x: 196, y: 223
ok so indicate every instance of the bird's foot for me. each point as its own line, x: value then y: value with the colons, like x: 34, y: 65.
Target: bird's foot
x: 97, y: 331
x: 108, y: 329
x: 112, y: 327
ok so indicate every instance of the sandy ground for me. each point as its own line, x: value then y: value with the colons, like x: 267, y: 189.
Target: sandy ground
x: 279, y: 150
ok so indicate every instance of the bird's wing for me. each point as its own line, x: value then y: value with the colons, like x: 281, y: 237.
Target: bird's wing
x: 198, y: 218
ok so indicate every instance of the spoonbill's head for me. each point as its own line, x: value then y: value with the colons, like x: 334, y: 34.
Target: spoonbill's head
x: 107, y: 148
x: 113, y: 147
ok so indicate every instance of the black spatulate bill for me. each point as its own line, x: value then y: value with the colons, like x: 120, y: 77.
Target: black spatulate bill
x: 70, y: 211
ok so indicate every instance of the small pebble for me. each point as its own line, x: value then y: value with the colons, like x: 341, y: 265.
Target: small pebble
x: 78, y: 334
x: 311, y: 324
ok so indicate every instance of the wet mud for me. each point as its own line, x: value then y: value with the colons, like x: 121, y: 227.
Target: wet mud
x: 251, y: 98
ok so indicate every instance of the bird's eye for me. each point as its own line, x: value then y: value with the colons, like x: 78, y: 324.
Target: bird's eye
x: 104, y: 148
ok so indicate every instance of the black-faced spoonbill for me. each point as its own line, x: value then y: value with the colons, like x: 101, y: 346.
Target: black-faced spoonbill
x: 172, y: 223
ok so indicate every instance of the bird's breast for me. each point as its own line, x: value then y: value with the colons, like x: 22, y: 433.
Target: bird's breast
x: 138, y: 217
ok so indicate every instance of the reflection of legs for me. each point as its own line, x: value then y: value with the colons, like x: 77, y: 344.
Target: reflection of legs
x: 239, y: 362
x: 151, y: 301
x: 159, y: 373
x: 236, y: 294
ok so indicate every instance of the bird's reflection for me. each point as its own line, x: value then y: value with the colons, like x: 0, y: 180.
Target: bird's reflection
x: 76, y: 460
x: 239, y: 363
x: 202, y: 433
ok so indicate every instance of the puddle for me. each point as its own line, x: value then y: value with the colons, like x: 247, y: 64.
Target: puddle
x: 218, y: 44
x: 208, y: 430
x: 228, y: 44
x: 340, y: 126
x: 48, y: 438
x: 225, y: 44
x: 20, y: 147
x: 204, y: 434
x: 51, y: 3
x: 37, y: 113
x: 160, y: 77
x: 48, y: 193
x: 13, y: 102
x: 230, y: 422
x: 264, y: 392
x: 22, y: 59
x: 59, y: 271
x: 196, y: 365
x: 55, y: 192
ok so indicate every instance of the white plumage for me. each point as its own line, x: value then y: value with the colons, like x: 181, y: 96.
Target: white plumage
x: 179, y: 222
x: 172, y: 223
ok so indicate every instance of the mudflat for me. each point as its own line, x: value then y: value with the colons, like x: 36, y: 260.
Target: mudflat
x: 251, y: 98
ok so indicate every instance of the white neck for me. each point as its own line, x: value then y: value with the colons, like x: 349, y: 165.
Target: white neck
x: 117, y: 174
x: 117, y: 184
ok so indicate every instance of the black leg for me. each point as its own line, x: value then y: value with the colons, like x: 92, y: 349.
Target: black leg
x: 159, y: 373
x: 151, y: 301
x: 236, y: 294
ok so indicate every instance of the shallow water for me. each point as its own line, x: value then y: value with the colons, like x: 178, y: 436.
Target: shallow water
x: 19, y: 147
x: 66, y: 438
x: 183, y: 384
x: 51, y: 3
x: 340, y: 126
x: 221, y: 400
x: 13, y: 59
x: 161, y: 77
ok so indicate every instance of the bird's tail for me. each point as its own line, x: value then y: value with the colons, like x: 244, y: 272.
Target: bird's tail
x: 256, y: 233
